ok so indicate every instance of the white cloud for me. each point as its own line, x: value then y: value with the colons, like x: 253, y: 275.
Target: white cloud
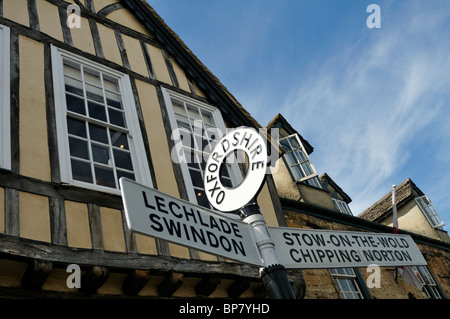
x: 371, y: 100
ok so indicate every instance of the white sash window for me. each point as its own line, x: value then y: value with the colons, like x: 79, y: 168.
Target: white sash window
x: 98, y: 132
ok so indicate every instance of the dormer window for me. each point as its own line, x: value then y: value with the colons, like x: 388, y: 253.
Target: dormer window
x: 298, y: 162
x: 429, y: 212
x: 342, y: 206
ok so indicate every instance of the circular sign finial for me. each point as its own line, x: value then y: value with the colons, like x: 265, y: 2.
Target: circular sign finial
x: 253, y: 144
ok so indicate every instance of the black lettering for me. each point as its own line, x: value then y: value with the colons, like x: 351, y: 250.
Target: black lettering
x: 200, y: 235
x: 355, y: 255
x: 256, y: 151
x: 189, y: 213
x: 235, y: 137
x: 220, y: 197
x: 213, y: 190
x: 210, y: 178
x: 318, y: 238
x: 345, y: 240
x: 225, y: 227
x: 288, y: 239
x: 160, y: 204
x: 383, y: 241
x: 236, y: 230
x: 297, y: 236
x: 294, y: 258
x: 330, y: 255
x: 404, y: 242
x: 392, y: 242
x: 213, y: 224
x: 215, y: 156
x: 212, y: 167
x: 335, y: 241
x: 258, y: 164
x: 406, y: 255
x: 199, y: 214
x: 345, y: 255
x: 173, y: 227
x: 225, y: 243
x: 238, y: 246
x: 212, y: 239
x: 246, y: 139
x: 146, y: 201
x: 227, y: 147
x: 321, y: 254
x: 155, y: 219
x: 171, y: 204
x: 186, y: 232
x: 372, y: 242
x: 307, y: 239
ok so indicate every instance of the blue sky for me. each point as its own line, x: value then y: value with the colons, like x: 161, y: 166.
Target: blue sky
x: 374, y: 103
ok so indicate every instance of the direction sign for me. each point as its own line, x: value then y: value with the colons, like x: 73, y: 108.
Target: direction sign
x: 153, y: 213
x: 243, y: 139
x: 306, y: 248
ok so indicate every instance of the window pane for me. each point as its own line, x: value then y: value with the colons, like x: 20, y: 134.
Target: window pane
x: 81, y: 171
x: 123, y: 160
x: 202, y: 200
x: 100, y: 154
x: 125, y: 174
x: 97, y: 111
x: 78, y: 148
x: 285, y: 144
x: 116, y: 117
x: 73, y: 86
x: 76, y: 127
x: 207, y: 118
x: 104, y: 176
x: 75, y: 104
x: 196, y: 177
x: 72, y: 69
x: 110, y: 83
x: 294, y: 142
x: 98, y: 133
x: 297, y: 172
x: 94, y: 93
x: 119, y: 139
x: 193, y: 113
x: 114, y: 100
x: 92, y: 76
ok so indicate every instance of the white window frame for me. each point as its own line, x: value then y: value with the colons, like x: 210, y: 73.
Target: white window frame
x: 5, y: 129
x: 429, y: 212
x: 429, y: 285
x: 311, y: 179
x: 342, y: 206
x: 343, y: 277
x: 136, y: 144
x: 175, y: 153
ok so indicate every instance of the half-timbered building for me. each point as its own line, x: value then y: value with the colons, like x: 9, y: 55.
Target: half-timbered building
x: 92, y: 91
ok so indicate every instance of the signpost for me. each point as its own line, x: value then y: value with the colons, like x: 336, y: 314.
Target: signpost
x: 306, y: 248
x: 249, y: 240
x: 153, y: 213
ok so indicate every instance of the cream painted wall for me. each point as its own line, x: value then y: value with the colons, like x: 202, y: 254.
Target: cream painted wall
x: 77, y: 224
x: 34, y: 152
x: 109, y: 44
x: 16, y: 11
x: 34, y: 217
x: 49, y: 21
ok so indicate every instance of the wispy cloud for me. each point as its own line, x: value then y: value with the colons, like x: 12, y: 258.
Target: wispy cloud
x: 367, y: 104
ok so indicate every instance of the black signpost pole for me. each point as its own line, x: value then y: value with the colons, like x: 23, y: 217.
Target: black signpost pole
x: 273, y: 275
